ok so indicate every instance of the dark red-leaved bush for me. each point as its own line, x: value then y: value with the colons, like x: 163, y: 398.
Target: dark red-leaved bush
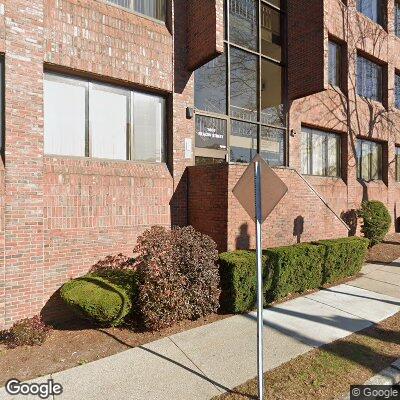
x: 29, y: 332
x: 178, y: 276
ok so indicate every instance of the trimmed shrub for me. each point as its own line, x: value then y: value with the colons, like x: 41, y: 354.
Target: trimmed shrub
x: 376, y: 221
x: 239, y: 280
x: 343, y: 258
x: 98, y: 299
x: 178, y: 276
x: 27, y: 332
x: 293, y: 269
x: 287, y: 270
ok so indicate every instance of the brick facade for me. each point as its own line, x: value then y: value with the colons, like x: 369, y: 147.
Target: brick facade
x: 59, y: 215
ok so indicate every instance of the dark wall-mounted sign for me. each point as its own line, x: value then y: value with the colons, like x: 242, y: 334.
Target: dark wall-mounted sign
x: 211, y: 133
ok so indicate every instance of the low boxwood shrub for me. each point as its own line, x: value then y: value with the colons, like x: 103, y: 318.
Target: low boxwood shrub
x: 287, y: 270
x: 239, y: 280
x: 27, y: 332
x: 98, y: 299
x: 293, y: 269
x: 376, y: 221
x: 343, y: 258
x: 178, y: 276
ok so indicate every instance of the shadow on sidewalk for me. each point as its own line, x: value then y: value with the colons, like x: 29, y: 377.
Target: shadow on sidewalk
x: 199, y: 373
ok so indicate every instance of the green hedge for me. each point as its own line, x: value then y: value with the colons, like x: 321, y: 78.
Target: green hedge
x: 343, y: 258
x: 287, y: 270
x: 105, y: 299
x: 238, y: 280
x: 293, y: 269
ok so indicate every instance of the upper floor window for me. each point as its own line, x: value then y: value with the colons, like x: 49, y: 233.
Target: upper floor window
x: 152, y: 8
x: 397, y: 163
x: 90, y: 119
x: 369, y: 160
x: 397, y: 17
x: 369, y: 79
x: 373, y: 9
x: 335, y: 63
x: 320, y: 153
x: 240, y: 97
x: 397, y: 90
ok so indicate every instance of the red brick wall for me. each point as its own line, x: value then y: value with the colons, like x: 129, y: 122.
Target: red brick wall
x: 62, y: 214
x: 24, y: 159
x: 205, y: 31
x: 344, y: 112
x: 92, y: 36
x: 95, y: 208
x: 300, y: 217
x: 208, y: 201
x: 306, y: 47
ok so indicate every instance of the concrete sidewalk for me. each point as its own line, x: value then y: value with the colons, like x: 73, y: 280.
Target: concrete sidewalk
x: 206, y: 361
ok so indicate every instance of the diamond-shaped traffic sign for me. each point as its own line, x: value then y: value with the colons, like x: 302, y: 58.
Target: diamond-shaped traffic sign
x: 273, y: 189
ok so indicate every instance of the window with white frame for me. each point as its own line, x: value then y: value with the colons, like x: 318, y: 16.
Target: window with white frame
x: 369, y: 160
x: 91, y: 119
x: 320, y: 153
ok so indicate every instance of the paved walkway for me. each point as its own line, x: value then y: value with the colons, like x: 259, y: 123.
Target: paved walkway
x: 206, y: 361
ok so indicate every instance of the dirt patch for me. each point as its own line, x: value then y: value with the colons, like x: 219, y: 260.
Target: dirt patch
x: 387, y: 251
x: 76, y: 343
x: 328, y: 372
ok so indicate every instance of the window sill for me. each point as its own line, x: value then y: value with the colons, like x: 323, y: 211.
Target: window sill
x: 376, y: 183
x: 157, y: 21
x: 70, y: 165
x: 359, y: 13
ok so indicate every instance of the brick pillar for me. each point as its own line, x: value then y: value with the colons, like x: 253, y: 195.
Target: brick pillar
x: 24, y: 159
x: 182, y: 127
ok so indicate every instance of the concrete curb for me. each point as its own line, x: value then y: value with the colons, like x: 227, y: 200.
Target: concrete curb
x: 388, y: 377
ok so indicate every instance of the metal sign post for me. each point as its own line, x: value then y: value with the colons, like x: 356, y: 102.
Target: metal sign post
x: 260, y: 299
x: 259, y: 190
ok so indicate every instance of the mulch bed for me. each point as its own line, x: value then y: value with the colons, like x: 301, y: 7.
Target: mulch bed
x: 328, y: 372
x: 387, y: 251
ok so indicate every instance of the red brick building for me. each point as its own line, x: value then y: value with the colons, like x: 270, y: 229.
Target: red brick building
x: 122, y: 114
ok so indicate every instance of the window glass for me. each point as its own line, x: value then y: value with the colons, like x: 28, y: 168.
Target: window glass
x: 244, y: 84
x: 333, y: 155
x: 152, y: 8
x: 369, y: 79
x: 210, y: 133
x: 210, y: 86
x: 272, y: 110
x: 243, y: 23
x: 103, y: 121
x: 397, y: 90
x: 273, y: 145
x: 373, y: 9
x: 148, y: 127
x: 64, y: 116
x: 320, y: 153
x: 243, y: 141
x: 369, y: 160
x: 271, y: 32
x: 305, y: 152
x: 397, y: 164
x: 108, y: 116
x: 397, y: 17
x: 334, y: 63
